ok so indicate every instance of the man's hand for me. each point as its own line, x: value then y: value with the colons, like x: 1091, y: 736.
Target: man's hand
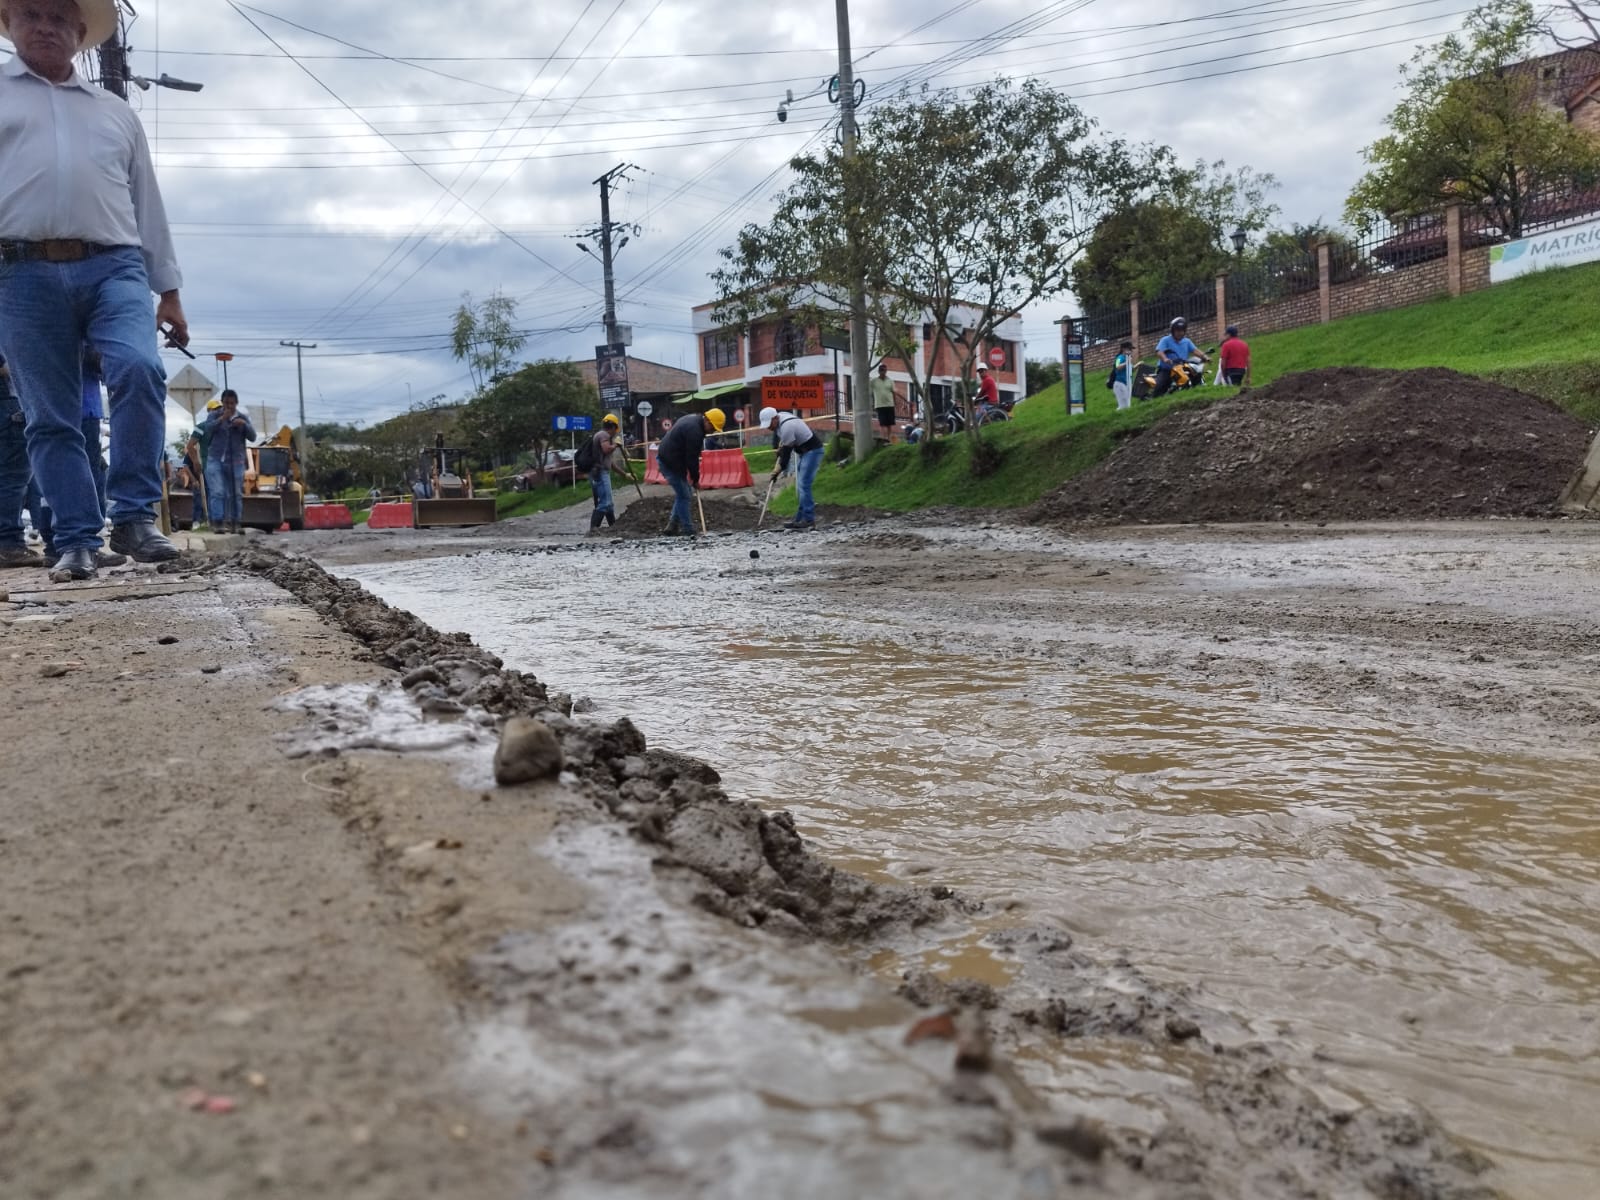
x: 169, y: 313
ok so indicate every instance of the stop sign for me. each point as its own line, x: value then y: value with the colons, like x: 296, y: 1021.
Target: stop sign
x: 997, y: 356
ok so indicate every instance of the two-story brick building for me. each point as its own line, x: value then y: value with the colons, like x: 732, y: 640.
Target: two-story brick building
x: 785, y: 346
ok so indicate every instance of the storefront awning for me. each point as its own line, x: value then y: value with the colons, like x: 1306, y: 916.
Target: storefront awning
x: 708, y: 393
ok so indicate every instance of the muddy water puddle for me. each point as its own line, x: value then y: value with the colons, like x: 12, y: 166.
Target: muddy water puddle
x: 1414, y: 906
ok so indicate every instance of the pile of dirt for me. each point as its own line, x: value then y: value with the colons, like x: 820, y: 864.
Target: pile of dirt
x: 747, y: 865
x: 727, y: 512
x: 1345, y: 443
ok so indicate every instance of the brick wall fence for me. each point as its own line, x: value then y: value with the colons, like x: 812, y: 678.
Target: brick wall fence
x: 1459, y: 271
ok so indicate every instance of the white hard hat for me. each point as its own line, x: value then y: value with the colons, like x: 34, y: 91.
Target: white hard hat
x: 766, y: 416
x: 983, y: 366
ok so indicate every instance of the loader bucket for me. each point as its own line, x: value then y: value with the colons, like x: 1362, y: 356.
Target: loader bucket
x: 263, y: 511
x: 479, y: 510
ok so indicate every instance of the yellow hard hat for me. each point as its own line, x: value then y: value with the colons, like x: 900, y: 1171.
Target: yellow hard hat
x: 611, y: 419
x: 717, y: 418
x: 213, y: 403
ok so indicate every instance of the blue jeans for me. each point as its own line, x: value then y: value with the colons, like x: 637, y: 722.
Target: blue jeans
x: 600, y: 481
x: 40, y: 512
x: 682, y: 499
x: 810, y: 464
x: 47, y: 312
x: 232, y: 491
x: 97, y: 459
x: 214, y: 491
x: 13, y: 471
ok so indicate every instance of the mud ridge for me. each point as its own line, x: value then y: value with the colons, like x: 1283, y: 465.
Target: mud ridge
x: 735, y: 512
x: 1254, y: 1123
x: 742, y: 863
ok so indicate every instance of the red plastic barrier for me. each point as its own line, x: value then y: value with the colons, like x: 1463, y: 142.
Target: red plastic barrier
x: 391, y: 514
x: 725, y: 469
x: 328, y: 516
x: 718, y: 469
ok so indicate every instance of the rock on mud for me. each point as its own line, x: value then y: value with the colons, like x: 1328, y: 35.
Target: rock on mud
x: 528, y: 750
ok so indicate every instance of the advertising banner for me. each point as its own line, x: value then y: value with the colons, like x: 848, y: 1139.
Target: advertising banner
x: 1564, y: 247
x: 611, y: 372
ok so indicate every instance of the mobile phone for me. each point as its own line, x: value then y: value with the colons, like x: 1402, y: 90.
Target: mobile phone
x: 166, y: 331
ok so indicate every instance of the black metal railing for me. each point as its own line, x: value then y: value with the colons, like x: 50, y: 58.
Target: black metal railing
x: 1103, y: 324
x: 1193, y: 303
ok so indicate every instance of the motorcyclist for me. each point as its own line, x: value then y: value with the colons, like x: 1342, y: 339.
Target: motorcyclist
x: 988, y: 393
x: 1174, y: 350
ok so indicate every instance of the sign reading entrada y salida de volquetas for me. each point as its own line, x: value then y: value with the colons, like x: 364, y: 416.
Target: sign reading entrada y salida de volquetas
x: 1556, y: 248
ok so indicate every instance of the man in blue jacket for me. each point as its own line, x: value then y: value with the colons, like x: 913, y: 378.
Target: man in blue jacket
x: 231, y: 431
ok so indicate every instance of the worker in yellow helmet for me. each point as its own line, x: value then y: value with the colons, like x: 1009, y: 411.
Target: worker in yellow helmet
x: 678, y: 456
x: 595, y: 458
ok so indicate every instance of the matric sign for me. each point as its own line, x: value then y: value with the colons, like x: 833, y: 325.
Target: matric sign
x: 611, y: 374
x: 1556, y: 248
x: 644, y: 408
x: 790, y: 392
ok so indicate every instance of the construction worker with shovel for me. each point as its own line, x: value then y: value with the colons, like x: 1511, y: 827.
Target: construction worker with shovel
x: 596, y: 457
x: 795, y: 437
x: 678, y: 456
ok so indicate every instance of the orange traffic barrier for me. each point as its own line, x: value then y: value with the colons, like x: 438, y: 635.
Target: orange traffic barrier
x: 390, y: 514
x: 328, y: 516
x: 718, y: 469
x: 725, y: 469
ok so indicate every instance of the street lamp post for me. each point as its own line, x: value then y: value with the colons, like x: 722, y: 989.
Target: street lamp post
x: 223, y: 357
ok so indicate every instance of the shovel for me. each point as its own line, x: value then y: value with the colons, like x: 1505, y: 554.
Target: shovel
x: 628, y: 466
x: 702, y: 506
x: 765, y: 500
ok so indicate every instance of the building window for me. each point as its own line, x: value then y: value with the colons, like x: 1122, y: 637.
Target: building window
x: 788, y: 342
x: 719, y: 350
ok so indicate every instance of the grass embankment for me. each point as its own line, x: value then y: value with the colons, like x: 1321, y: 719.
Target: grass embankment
x: 1536, y: 333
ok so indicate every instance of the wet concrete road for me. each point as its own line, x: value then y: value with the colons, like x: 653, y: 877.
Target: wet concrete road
x: 1343, y: 781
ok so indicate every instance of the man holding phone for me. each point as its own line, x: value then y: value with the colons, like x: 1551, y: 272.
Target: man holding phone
x: 230, y: 432
x: 83, y: 242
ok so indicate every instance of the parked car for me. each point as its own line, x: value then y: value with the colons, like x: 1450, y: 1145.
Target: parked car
x: 558, y: 469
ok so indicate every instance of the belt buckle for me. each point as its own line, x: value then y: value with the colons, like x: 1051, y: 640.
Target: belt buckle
x: 62, y: 250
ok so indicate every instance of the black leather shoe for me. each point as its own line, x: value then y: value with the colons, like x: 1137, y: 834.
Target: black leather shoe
x: 102, y: 558
x: 73, y: 564
x: 142, y: 542
x: 20, y: 556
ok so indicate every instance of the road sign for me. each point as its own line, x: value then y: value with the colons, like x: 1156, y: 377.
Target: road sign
x: 738, y: 416
x: 560, y: 423
x: 568, y: 424
x: 997, y: 356
x: 644, y: 408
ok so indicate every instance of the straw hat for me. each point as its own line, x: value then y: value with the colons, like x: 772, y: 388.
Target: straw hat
x: 99, y: 15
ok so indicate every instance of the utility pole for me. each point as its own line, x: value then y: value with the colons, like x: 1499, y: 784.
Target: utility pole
x: 604, y: 233
x: 859, y: 347
x: 300, y: 375
x: 114, y: 63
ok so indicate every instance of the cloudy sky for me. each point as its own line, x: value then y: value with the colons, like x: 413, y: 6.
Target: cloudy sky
x: 351, y: 169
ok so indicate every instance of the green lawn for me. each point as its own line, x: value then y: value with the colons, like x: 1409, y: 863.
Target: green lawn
x: 1536, y: 333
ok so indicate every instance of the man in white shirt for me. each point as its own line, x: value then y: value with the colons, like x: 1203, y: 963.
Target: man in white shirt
x: 83, y: 243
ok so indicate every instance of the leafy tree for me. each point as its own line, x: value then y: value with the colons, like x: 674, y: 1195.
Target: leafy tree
x: 1042, y: 374
x: 1177, y: 238
x: 485, y: 337
x: 516, y: 413
x: 1472, y: 130
x: 957, y: 212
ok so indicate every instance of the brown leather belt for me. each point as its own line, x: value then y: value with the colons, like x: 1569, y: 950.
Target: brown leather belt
x: 53, y: 250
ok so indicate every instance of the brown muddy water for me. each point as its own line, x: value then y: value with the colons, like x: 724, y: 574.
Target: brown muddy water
x: 1403, y: 889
